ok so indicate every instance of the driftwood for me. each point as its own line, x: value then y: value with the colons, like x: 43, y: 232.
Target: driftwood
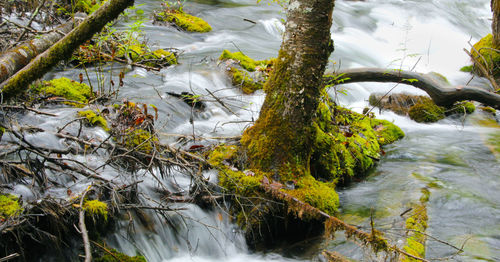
x: 16, y: 58
x: 442, y: 93
x: 63, y: 48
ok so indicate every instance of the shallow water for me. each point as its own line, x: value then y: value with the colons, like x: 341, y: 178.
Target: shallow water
x: 449, y: 158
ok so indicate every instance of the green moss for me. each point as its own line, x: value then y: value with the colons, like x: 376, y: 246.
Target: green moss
x: 318, y: 194
x: 136, y: 52
x: 461, y: 108
x: 416, y: 225
x: 439, y: 76
x: 467, y: 69
x: 88, y: 6
x: 140, y: 140
x: 246, y: 62
x: 116, y: 256
x: 387, y: 132
x: 347, y: 143
x: 94, y: 119
x: 165, y: 55
x: 243, y: 79
x: 184, y: 21
x: 426, y: 112
x: 490, y: 58
x: 9, y: 206
x: 96, y: 208
x: 488, y: 109
x: 66, y: 88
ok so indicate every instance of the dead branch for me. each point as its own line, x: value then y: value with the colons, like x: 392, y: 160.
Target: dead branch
x: 441, y: 92
x: 83, y: 229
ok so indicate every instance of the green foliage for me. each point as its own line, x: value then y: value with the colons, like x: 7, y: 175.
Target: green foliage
x: 94, y: 119
x: 116, y: 256
x: 9, y: 206
x: 66, y: 88
x: 96, y: 208
x: 426, y: 112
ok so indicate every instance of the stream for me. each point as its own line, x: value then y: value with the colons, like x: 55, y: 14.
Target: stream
x: 449, y: 158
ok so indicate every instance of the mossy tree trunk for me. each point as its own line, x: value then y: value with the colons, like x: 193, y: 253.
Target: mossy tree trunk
x: 281, y: 140
x: 495, y: 24
x: 63, y: 48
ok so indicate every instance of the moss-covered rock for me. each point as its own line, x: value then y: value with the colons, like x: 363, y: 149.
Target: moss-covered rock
x: 489, y: 110
x: 487, y: 54
x: 96, y: 208
x: 245, y: 72
x: 242, y: 79
x: 9, y: 206
x: 426, y: 112
x: 94, y: 119
x: 116, y: 256
x: 463, y: 107
x: 78, y: 94
x: 183, y: 20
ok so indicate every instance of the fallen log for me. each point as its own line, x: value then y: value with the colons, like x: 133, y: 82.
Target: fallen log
x: 440, y: 91
x: 332, y: 224
x: 16, y: 58
x: 63, y: 48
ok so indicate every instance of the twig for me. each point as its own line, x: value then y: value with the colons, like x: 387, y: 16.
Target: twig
x: 31, y: 20
x: 83, y: 229
x: 27, y: 108
x: 9, y: 257
x: 220, y: 102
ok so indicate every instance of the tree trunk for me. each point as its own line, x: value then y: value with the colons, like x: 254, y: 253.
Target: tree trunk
x: 15, y: 59
x: 63, y: 48
x: 495, y: 24
x: 281, y: 139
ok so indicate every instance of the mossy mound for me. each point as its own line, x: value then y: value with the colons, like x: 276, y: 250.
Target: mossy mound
x: 78, y: 94
x: 486, y: 54
x: 9, y: 206
x: 94, y: 119
x: 88, y: 6
x: 113, y: 255
x: 245, y: 72
x: 348, y: 143
x: 183, y: 21
x: 426, y: 112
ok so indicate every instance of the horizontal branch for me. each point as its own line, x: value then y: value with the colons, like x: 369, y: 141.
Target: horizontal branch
x: 442, y: 93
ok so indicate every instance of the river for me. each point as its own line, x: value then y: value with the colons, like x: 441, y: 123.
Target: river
x: 449, y: 158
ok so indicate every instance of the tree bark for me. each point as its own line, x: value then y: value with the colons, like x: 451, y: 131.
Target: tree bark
x: 15, y: 59
x: 63, y: 48
x: 495, y: 24
x: 442, y: 93
x: 281, y: 139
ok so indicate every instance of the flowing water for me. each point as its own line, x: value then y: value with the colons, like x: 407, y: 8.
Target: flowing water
x: 450, y: 158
